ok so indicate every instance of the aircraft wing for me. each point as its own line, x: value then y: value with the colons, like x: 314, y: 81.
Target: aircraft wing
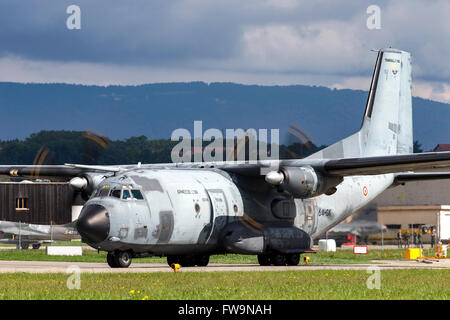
x: 337, y: 167
x: 39, y: 232
x: 51, y: 170
x: 346, y: 166
x: 387, y: 164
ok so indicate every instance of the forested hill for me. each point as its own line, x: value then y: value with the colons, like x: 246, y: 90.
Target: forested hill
x: 155, y: 110
x: 59, y: 147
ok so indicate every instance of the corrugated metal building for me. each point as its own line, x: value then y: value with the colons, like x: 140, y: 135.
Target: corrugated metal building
x: 37, y: 202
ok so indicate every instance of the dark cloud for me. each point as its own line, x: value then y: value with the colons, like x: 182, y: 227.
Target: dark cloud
x: 151, y: 32
x: 278, y: 36
x: 131, y: 32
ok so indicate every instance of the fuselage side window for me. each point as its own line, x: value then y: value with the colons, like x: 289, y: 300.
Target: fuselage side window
x: 103, y: 192
x: 126, y: 194
x: 115, y: 193
x: 137, y: 194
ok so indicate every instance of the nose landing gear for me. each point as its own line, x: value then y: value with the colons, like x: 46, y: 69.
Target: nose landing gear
x: 119, y: 259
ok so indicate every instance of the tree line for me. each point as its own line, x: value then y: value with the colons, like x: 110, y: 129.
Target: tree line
x: 61, y: 146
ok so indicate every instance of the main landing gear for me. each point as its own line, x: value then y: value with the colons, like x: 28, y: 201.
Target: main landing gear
x: 119, y: 259
x: 189, y: 260
x: 279, y: 259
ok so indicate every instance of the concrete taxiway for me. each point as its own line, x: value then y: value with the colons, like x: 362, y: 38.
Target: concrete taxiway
x: 88, y: 267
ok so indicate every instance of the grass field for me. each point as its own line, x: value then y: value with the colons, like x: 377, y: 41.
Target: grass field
x: 304, y: 284
x: 285, y: 285
x: 338, y: 257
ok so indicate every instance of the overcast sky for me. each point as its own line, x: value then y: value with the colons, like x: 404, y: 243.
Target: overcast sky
x: 321, y: 42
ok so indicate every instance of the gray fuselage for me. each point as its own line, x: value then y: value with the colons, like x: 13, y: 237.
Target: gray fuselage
x: 191, y: 211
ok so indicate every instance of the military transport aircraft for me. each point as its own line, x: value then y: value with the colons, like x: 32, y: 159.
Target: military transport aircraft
x: 189, y: 211
x: 23, y: 234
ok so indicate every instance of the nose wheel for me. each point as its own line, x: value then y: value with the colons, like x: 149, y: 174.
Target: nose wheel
x: 119, y: 259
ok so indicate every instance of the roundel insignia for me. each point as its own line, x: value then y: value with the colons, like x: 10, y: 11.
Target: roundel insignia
x: 365, y: 191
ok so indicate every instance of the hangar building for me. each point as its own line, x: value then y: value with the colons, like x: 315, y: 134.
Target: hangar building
x: 39, y: 202
x: 413, y: 205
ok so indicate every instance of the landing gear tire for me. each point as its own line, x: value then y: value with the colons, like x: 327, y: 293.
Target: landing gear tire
x: 202, y: 261
x: 172, y: 259
x: 278, y: 259
x: 36, y: 246
x: 263, y: 260
x: 122, y: 259
x: 187, y: 261
x: 23, y: 246
x: 111, y: 261
x: 293, y: 259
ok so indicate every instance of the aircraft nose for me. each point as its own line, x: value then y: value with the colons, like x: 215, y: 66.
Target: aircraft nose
x: 93, y: 223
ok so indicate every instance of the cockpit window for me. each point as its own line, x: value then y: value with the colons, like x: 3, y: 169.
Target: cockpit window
x: 137, y: 194
x: 126, y: 194
x: 103, y: 192
x: 115, y: 193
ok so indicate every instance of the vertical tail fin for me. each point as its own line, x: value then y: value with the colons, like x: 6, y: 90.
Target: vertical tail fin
x: 387, y: 123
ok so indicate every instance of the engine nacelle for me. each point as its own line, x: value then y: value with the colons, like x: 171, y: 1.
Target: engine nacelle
x: 303, y: 182
x: 86, y: 183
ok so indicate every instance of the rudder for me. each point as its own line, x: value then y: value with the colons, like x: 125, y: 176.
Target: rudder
x: 387, y: 123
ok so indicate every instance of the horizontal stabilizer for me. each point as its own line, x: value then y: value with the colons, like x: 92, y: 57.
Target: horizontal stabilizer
x: 387, y: 164
x: 421, y: 176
